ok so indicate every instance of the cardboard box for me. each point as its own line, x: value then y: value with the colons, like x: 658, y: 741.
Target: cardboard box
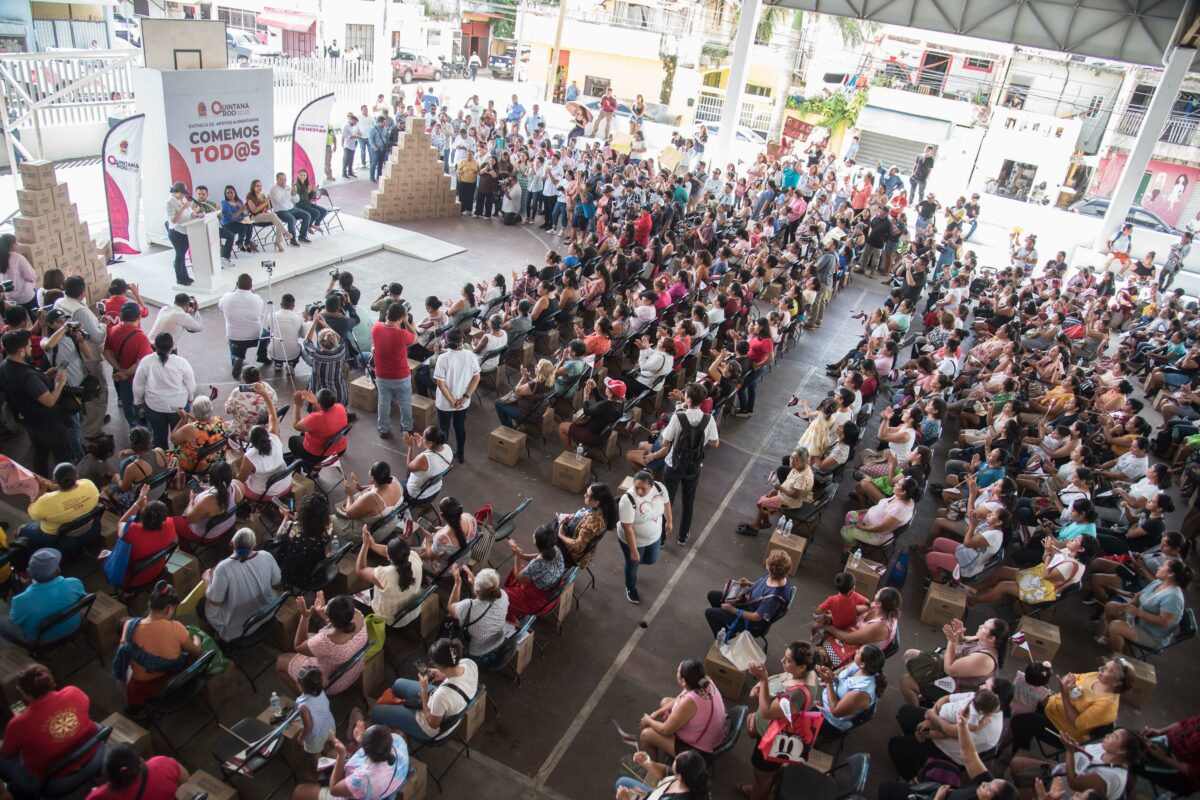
x: 524, y: 655
x: 821, y: 762
x: 942, y: 604
x: 867, y: 575
x: 103, y: 624
x: 728, y: 679
x: 37, y: 174
x: 424, y: 414
x: 548, y: 343
x: 348, y: 580
x: 183, y: 572
x: 177, y: 499
x: 62, y: 197
x: 475, y: 716
x: 109, y: 528
x: 1041, y: 640
x: 284, y: 635
x: 201, y: 781
x: 430, y: 617
x: 363, y: 394
x: 374, y: 676
x: 791, y: 544
x: 572, y: 472
x: 416, y: 786
x: 506, y: 445
x: 221, y: 688
x: 1144, y: 681
x: 129, y: 732
x: 31, y: 229
x: 625, y: 486
x: 35, y: 202
x: 302, y: 487
x: 566, y: 603
x: 12, y: 661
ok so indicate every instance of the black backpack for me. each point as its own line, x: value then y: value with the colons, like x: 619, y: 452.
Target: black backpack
x: 687, y: 452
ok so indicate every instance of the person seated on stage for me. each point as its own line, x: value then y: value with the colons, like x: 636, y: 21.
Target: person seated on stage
x: 201, y: 203
x: 235, y: 218
x: 259, y: 208
x: 318, y: 427
x: 306, y: 189
x: 283, y: 203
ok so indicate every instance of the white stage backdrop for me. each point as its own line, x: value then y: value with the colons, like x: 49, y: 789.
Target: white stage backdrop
x: 208, y: 127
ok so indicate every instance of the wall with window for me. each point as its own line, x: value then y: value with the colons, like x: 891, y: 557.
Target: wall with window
x: 1064, y: 88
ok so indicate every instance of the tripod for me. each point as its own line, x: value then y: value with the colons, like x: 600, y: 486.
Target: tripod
x: 274, y: 334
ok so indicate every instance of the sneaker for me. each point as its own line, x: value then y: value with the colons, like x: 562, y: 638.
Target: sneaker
x: 682, y: 538
x: 745, y: 529
x: 385, y: 434
x: 632, y: 596
x: 226, y: 263
x: 237, y: 368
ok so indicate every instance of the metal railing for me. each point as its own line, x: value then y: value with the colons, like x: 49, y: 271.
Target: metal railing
x: 1180, y: 129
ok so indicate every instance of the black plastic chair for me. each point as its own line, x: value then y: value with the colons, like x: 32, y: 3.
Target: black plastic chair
x: 275, y: 481
x: 179, y: 692
x: 832, y: 735
x: 548, y: 608
x: 157, y: 483
x: 421, y: 504
x: 127, y: 593
x: 328, y: 458
x: 250, y: 745
x: 411, y: 607
x: 324, y: 572
x: 350, y: 663
x: 61, y: 780
x: 214, y: 523
x: 82, y: 526
x: 803, y: 782
x: 809, y: 515
x: 1185, y: 631
x: 333, y: 214
x: 503, y: 655
x: 735, y: 721
x: 255, y: 630
x: 41, y: 648
x: 451, y: 730
x: 588, y: 550
x: 207, y: 452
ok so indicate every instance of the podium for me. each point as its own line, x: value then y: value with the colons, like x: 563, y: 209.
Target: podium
x: 204, y: 245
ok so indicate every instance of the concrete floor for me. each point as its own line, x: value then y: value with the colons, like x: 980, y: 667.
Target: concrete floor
x: 554, y: 735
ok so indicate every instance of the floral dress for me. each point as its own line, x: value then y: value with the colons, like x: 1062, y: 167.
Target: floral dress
x: 328, y: 655
x: 207, y: 432
x: 244, y: 410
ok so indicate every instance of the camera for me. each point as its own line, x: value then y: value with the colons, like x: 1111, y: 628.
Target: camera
x: 73, y: 326
x: 313, y: 307
x: 335, y: 273
x: 383, y: 287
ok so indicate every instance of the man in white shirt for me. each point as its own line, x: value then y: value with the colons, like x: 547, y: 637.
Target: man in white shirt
x: 74, y: 305
x: 177, y: 318
x: 285, y: 328
x: 283, y: 203
x: 510, y: 202
x: 456, y: 375
x: 350, y: 138
x: 534, y: 119
x: 243, y: 312
x: 684, y: 450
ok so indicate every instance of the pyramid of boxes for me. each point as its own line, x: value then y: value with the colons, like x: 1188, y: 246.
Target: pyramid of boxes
x: 414, y: 184
x: 49, y: 232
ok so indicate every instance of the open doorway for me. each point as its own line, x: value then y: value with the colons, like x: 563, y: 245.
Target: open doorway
x: 1015, y: 179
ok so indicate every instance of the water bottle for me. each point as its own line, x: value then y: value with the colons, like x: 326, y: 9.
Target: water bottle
x: 720, y: 638
x: 276, y: 706
x: 787, y: 528
x: 856, y: 557
x: 579, y: 452
x: 334, y: 543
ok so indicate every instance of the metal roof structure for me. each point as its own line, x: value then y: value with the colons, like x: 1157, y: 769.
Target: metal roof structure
x: 1136, y: 31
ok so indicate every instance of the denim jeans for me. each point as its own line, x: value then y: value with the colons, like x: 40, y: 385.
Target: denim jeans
x: 647, y: 555
x: 68, y: 546
x: 627, y: 782
x: 402, y: 717
x: 74, y: 435
x: 291, y: 217
x: 394, y: 390
x: 239, y: 347
x: 362, y: 151
x: 974, y: 223
x: 509, y: 414
x: 749, y: 390
x: 161, y: 423
x: 376, y: 164
x: 125, y: 401
x: 316, y: 214
x: 558, y: 217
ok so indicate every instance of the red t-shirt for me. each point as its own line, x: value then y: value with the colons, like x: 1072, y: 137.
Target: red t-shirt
x: 144, y: 544
x: 128, y: 344
x: 841, y: 608
x: 391, y: 351
x: 162, y: 781
x: 320, y: 426
x: 49, y: 728
x: 760, y: 349
x: 35, y: 344
x: 112, y: 306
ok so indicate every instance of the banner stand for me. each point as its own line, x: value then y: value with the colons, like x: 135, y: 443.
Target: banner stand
x: 121, y: 166
x: 310, y: 132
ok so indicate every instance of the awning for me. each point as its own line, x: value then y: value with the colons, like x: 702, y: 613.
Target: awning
x: 914, y: 127
x: 76, y: 3
x: 287, y: 20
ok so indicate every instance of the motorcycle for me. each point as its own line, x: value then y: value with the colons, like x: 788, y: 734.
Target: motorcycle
x: 456, y: 68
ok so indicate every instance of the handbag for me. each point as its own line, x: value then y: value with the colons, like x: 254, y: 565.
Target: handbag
x: 790, y: 738
x: 376, y: 631
x: 741, y: 650
x: 117, y: 564
x: 735, y: 592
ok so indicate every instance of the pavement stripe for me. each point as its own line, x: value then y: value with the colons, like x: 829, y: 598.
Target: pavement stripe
x: 568, y: 738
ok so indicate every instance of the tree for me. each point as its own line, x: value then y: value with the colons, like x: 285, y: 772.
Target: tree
x: 504, y: 28
x: 669, y: 64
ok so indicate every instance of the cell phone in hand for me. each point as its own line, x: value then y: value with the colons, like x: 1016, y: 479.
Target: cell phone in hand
x: 246, y: 387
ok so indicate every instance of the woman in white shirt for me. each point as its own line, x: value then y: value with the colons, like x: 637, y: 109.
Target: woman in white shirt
x: 262, y: 458
x: 439, y: 695
x: 428, y: 455
x: 642, y: 512
x: 164, y: 383
x: 1102, y: 766
x: 493, y: 339
x: 16, y: 268
x: 393, y: 586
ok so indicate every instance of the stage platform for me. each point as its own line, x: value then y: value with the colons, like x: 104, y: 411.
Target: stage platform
x: 155, y: 277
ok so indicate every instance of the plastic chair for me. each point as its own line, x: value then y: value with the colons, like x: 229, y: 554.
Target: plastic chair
x: 207, y: 452
x: 551, y: 603
x: 250, y: 746
x: 126, y: 593
x: 735, y: 721
x: 502, y: 656
x: 1186, y: 630
x: 809, y: 514
x: 82, y: 526
x: 213, y: 533
x: 254, y: 631
x: 333, y: 215
x: 344, y: 668
x: 158, y: 483
x: 802, y: 782
x: 323, y: 572
x: 279, y: 485
x: 422, y: 506
x: 62, y: 781
x: 450, y: 731
x: 41, y: 648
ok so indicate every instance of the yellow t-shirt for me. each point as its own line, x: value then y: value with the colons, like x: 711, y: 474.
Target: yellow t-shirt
x: 55, y: 509
x: 467, y: 170
x: 1093, y: 709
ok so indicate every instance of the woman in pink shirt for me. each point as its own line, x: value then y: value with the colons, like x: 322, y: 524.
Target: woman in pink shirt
x: 692, y: 720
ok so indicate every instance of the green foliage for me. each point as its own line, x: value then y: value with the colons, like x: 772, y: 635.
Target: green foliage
x: 504, y: 28
x: 837, y: 111
x: 664, y: 93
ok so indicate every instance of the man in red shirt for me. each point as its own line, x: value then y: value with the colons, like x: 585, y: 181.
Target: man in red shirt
x: 391, y: 340
x: 124, y: 346
x: 53, y: 723
x: 118, y: 296
x: 318, y: 427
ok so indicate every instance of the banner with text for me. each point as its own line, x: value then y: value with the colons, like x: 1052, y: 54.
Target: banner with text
x: 220, y: 127
x: 310, y: 132
x: 121, y: 156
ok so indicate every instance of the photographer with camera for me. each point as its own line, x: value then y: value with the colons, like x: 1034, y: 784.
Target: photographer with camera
x: 75, y: 306
x: 243, y: 312
x: 67, y: 350
x: 33, y: 397
x: 390, y: 293
x: 333, y: 315
x: 175, y: 319
x: 510, y: 200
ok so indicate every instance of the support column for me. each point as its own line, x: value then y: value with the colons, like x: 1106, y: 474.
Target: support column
x: 1143, y: 148
x: 717, y: 152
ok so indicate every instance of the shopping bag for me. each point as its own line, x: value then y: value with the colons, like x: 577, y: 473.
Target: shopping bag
x: 742, y: 651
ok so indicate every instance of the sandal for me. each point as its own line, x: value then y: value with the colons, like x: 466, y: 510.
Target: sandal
x: 745, y: 789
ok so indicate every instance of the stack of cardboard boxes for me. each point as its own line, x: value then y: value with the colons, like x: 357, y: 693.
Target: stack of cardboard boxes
x: 414, y: 184
x: 49, y: 232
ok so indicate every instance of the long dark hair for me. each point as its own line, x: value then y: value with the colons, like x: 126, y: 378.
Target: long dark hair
x: 608, y: 506
x: 452, y: 511
x: 398, y: 552
x: 164, y: 343
x: 220, y: 475
x: 260, y: 439
x: 7, y: 243
x: 690, y: 766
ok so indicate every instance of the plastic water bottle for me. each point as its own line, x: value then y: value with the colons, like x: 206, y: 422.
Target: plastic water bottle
x: 720, y: 638
x: 335, y: 543
x: 856, y: 557
x: 276, y: 705
x: 787, y: 527
x: 579, y: 452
